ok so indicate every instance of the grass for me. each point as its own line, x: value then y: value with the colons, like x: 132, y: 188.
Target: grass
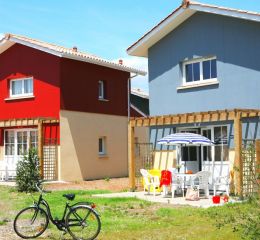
x: 130, y: 218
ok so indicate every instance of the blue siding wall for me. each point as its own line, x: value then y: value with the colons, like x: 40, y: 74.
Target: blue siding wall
x: 236, y: 43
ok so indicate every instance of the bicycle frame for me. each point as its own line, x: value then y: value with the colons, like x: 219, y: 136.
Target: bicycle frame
x: 59, y: 223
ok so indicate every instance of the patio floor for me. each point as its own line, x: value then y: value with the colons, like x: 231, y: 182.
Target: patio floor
x: 178, y: 200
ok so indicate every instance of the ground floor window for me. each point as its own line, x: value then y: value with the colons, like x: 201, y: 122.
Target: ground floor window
x: 102, y: 145
x: 218, y: 152
x: 221, y: 143
x: 190, y: 153
x: 18, y: 142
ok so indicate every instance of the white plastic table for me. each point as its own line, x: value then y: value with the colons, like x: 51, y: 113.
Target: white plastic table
x: 184, y: 177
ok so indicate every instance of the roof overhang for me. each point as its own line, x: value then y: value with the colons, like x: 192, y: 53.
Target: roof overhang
x: 177, y: 17
x: 9, y: 40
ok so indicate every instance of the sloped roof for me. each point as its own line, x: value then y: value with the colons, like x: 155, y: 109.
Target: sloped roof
x: 10, y: 39
x: 140, y: 101
x: 140, y: 93
x: 177, y: 17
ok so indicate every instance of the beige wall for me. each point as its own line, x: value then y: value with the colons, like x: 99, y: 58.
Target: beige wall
x: 164, y: 159
x: 231, y: 158
x: 142, y: 135
x: 79, y: 158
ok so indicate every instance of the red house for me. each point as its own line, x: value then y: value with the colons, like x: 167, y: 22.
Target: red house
x: 72, y: 105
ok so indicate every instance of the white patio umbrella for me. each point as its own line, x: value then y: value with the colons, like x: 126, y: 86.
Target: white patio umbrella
x: 185, y: 139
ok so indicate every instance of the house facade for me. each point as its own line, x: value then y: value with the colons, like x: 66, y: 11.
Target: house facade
x: 73, y: 106
x: 203, y: 63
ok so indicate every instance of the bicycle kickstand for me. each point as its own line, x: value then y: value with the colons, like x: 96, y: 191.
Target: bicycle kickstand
x: 62, y: 234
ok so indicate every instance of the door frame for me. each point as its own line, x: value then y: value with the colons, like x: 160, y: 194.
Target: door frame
x: 193, y: 130
x: 213, y: 163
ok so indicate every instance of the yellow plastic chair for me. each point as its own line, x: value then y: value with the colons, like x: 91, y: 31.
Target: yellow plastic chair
x: 150, y: 182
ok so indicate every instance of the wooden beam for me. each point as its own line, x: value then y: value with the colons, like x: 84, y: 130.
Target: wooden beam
x: 40, y: 146
x: 195, y: 117
x: 238, y: 158
x: 131, y: 157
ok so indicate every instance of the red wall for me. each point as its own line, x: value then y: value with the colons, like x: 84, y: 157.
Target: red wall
x: 51, y: 133
x: 79, y: 88
x: 20, y: 61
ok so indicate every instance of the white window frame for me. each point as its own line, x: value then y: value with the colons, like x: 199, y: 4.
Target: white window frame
x: 23, y: 94
x: 200, y: 61
x: 101, y: 86
x: 103, y: 152
x: 28, y: 140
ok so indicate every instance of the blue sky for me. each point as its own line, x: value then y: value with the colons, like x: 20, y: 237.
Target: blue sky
x: 102, y: 27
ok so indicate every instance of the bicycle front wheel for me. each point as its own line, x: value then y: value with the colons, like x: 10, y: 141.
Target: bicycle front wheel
x: 31, y: 222
x: 83, y: 223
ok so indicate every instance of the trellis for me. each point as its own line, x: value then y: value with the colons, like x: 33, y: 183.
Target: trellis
x: 249, y: 168
x: 50, y: 159
x: 144, y: 159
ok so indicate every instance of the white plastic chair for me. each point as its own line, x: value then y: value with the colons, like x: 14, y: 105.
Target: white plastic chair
x: 177, y: 183
x: 222, y: 181
x: 201, y: 181
x: 150, y: 181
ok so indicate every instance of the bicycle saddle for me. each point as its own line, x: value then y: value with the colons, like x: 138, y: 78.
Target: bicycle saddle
x: 69, y: 196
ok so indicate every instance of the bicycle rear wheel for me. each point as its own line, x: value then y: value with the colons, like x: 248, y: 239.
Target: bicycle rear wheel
x: 31, y: 222
x: 83, y: 223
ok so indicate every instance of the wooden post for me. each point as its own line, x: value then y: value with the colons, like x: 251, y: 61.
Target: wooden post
x: 238, y: 158
x: 257, y: 150
x: 40, y: 146
x: 131, y: 156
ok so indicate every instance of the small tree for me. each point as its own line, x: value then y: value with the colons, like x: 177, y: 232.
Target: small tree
x: 27, y: 172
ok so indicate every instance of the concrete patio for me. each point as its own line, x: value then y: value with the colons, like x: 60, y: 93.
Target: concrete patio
x: 178, y: 200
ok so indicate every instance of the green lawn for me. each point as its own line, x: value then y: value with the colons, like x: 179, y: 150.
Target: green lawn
x: 130, y: 218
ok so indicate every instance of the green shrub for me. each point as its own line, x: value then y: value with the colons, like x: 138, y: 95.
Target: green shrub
x: 27, y: 172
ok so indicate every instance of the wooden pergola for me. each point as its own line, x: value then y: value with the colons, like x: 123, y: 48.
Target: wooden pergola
x: 235, y: 115
x: 29, y: 122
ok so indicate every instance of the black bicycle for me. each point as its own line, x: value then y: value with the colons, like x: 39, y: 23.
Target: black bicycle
x: 80, y: 220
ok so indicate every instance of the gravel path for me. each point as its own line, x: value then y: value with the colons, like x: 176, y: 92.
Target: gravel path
x: 7, y: 232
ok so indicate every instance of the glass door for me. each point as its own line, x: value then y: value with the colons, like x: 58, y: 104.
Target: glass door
x: 16, y: 144
x: 189, y: 155
x: 215, y: 158
x: 207, y: 163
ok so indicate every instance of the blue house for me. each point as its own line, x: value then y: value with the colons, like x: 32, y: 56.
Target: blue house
x: 204, y: 77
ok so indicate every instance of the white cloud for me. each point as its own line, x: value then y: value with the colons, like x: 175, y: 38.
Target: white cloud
x: 139, y: 82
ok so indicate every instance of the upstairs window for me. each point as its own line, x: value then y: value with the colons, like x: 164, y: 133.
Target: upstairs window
x: 21, y: 87
x: 199, y: 70
x: 101, y: 90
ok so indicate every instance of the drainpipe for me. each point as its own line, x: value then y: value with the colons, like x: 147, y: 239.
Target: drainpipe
x: 130, y: 162
x: 128, y: 95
